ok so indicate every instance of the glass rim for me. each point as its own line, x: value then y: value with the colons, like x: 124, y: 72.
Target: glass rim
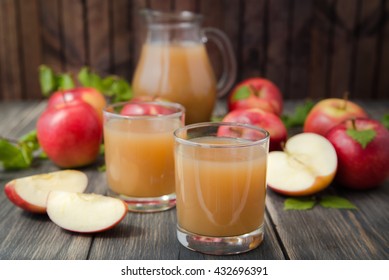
x: 249, y: 143
x: 180, y: 110
x: 173, y: 17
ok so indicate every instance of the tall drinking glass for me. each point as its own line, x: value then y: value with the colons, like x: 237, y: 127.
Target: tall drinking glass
x: 138, y: 139
x: 220, y: 186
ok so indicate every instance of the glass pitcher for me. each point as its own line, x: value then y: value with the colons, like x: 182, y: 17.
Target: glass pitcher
x: 174, y: 64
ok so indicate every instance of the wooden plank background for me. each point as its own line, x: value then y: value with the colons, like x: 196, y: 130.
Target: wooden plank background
x: 309, y: 48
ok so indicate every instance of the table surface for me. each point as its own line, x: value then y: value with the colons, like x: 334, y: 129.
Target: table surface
x: 319, y: 233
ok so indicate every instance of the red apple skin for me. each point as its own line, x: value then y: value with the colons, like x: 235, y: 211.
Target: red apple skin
x: 361, y: 168
x: 10, y: 192
x: 90, y: 95
x: 329, y: 112
x: 266, y: 120
x: 145, y: 109
x: 264, y: 95
x: 70, y: 134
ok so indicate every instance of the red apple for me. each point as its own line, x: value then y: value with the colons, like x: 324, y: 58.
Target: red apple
x: 266, y: 120
x: 256, y: 93
x: 146, y: 109
x: 362, y: 146
x: 87, y: 94
x: 329, y: 112
x: 70, y: 134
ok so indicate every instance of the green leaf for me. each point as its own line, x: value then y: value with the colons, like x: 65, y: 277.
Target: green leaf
x: 300, y: 203
x: 65, y: 81
x: 332, y: 201
x: 385, y: 120
x: 83, y: 76
x: 242, y: 93
x: 47, y: 80
x: 300, y: 114
x: 90, y: 79
x: 14, y: 156
x: 102, y: 149
x: 102, y: 168
x: 363, y: 137
x: 121, y: 90
x: 31, y: 140
x: 217, y: 118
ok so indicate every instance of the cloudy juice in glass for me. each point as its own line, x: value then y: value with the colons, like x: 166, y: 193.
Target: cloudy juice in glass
x: 220, y: 186
x: 139, y: 154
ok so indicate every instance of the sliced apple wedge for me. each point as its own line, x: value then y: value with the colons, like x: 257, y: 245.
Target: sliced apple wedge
x: 30, y: 193
x: 85, y: 212
x: 306, y: 166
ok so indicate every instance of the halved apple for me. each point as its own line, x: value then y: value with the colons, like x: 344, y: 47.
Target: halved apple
x: 85, y: 212
x: 306, y: 166
x: 30, y: 193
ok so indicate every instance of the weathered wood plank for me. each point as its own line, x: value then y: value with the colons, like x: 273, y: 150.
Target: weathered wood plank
x: 99, y: 36
x: 139, y: 30
x: 278, y: 47
x: 165, y: 6
x: 75, y: 43
x: 52, y: 34
x: 383, y: 67
x: 213, y: 17
x: 342, y: 49
x: 253, y: 52
x: 186, y: 5
x: 337, y: 234
x: 299, y: 56
x: 10, y: 60
x: 24, y: 113
x: 320, y: 42
x: 139, y: 236
x: 30, y: 49
x: 367, y: 35
x: 122, y: 38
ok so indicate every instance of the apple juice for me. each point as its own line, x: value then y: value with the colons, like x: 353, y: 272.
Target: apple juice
x: 220, y: 191
x: 139, y: 156
x: 180, y: 73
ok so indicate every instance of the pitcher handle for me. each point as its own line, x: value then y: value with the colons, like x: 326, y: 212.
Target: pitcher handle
x: 224, y: 45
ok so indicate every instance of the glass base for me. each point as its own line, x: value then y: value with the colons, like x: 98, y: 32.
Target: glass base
x: 227, y: 245
x: 147, y: 204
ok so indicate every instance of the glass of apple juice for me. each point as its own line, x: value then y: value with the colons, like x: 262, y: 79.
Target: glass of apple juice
x: 139, y: 153
x: 220, y: 186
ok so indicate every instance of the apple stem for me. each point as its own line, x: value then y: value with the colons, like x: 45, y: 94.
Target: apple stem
x: 345, y: 98
x: 282, y: 144
x: 353, y: 124
x: 253, y: 89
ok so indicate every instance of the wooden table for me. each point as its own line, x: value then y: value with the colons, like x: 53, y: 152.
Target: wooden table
x: 316, y: 234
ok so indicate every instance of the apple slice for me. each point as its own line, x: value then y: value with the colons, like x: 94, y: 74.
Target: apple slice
x: 306, y: 166
x: 85, y: 212
x: 30, y: 193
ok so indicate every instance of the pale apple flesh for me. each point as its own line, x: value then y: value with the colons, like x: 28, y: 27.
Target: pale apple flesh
x: 306, y: 166
x: 85, y: 212
x: 30, y: 193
